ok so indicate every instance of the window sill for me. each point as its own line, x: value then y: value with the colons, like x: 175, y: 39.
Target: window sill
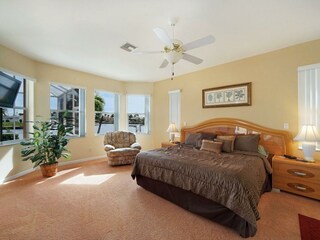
x: 6, y: 144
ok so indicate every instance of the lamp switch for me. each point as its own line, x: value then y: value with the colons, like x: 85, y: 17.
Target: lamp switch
x: 286, y: 126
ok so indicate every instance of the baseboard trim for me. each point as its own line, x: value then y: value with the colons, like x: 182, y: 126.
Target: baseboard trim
x: 20, y: 174
x: 82, y: 160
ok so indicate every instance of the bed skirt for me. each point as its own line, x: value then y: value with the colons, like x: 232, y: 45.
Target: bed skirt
x: 199, y: 205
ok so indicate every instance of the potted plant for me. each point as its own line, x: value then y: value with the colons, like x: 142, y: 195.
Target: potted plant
x: 47, y: 145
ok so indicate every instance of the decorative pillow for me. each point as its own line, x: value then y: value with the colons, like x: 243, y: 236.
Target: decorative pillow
x: 226, y: 145
x: 193, y: 139
x: 262, y: 151
x: 208, y: 136
x: 229, y: 138
x: 248, y: 143
x: 211, y: 146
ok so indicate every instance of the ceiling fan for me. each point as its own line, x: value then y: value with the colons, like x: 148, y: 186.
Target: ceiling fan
x: 174, y: 49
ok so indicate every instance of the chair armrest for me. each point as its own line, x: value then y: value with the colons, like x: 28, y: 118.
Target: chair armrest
x: 136, y: 146
x: 108, y: 147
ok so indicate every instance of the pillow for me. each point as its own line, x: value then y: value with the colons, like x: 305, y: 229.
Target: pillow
x: 211, y: 146
x: 229, y: 138
x: 193, y: 139
x: 262, y: 151
x: 226, y: 145
x: 208, y: 136
x: 248, y: 143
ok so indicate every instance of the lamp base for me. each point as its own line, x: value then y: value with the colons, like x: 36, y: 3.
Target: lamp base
x: 172, y: 136
x: 308, y: 150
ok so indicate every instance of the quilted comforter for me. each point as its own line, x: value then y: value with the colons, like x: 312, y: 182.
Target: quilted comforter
x: 235, y: 180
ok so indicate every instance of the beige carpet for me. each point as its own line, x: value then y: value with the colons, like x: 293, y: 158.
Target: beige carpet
x: 94, y: 201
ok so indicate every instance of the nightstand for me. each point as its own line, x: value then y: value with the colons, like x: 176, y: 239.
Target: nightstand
x: 297, y: 177
x: 168, y: 144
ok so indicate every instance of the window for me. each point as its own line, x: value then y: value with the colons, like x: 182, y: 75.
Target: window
x: 174, y: 109
x: 138, y: 113
x: 69, y: 102
x: 14, y: 121
x: 309, y: 96
x: 106, y: 112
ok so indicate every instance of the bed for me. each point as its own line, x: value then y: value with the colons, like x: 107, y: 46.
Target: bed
x: 222, y: 186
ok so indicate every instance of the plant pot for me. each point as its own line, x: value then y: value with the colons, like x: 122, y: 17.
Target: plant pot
x: 49, y: 170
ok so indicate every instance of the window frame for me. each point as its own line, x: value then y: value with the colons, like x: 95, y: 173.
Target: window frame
x: 175, y: 106
x: 81, y: 108
x: 309, y: 97
x: 25, y: 109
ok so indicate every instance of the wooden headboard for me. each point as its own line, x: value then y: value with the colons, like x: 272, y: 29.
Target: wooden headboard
x: 277, y: 142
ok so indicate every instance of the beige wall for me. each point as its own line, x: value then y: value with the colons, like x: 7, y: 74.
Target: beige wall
x: 89, y: 146
x: 274, y: 90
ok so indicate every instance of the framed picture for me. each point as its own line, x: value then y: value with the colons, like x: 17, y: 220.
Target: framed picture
x: 227, y: 96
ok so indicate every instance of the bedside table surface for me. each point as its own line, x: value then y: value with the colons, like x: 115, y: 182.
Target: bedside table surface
x: 283, y: 159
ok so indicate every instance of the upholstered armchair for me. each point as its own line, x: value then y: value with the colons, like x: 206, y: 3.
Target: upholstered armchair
x: 121, y: 147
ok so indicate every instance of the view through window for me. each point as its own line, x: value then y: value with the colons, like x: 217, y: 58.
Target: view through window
x: 138, y: 112
x: 106, y: 112
x: 68, y: 102
x: 14, y: 120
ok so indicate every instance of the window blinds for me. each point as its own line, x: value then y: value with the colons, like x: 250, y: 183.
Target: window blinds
x: 174, y: 108
x: 309, y: 95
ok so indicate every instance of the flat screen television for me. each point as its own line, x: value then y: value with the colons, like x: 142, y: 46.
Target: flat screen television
x: 9, y: 88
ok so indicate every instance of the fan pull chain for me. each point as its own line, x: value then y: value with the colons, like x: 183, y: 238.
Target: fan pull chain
x: 172, y: 25
x: 172, y: 72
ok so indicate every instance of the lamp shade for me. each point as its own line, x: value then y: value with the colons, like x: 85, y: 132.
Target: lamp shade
x: 172, y: 128
x: 308, y: 133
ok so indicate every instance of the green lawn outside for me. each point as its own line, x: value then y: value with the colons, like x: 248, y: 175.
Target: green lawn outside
x: 9, y: 125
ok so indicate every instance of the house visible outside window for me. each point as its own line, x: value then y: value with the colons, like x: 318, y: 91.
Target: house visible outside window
x: 309, y: 96
x: 14, y: 123
x: 70, y: 102
x: 174, y: 109
x: 138, y: 113
x: 106, y: 112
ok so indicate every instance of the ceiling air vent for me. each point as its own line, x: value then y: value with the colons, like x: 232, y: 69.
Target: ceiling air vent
x: 128, y: 47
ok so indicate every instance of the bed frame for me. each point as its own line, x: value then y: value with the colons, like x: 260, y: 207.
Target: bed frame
x: 275, y: 141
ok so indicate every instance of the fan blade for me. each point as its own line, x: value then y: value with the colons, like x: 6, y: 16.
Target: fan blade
x: 145, y: 52
x: 191, y: 58
x: 164, y: 63
x: 163, y: 36
x: 198, y: 43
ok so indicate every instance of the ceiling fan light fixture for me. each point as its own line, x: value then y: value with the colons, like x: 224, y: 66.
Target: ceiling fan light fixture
x: 173, y: 57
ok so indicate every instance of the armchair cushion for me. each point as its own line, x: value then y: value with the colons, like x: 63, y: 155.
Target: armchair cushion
x: 108, y: 147
x: 136, y: 146
x: 123, y: 152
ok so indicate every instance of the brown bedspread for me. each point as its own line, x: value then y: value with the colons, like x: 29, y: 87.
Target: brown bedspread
x: 232, y: 180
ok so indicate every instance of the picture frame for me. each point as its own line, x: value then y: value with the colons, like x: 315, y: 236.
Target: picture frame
x: 227, y: 96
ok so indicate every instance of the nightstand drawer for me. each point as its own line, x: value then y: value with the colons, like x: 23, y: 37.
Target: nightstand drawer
x: 298, y: 172
x: 298, y: 186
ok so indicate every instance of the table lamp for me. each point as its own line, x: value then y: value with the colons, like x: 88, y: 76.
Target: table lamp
x: 308, y: 135
x: 172, y: 129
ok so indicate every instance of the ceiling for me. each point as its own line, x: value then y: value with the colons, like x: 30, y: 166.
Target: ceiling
x: 86, y: 35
